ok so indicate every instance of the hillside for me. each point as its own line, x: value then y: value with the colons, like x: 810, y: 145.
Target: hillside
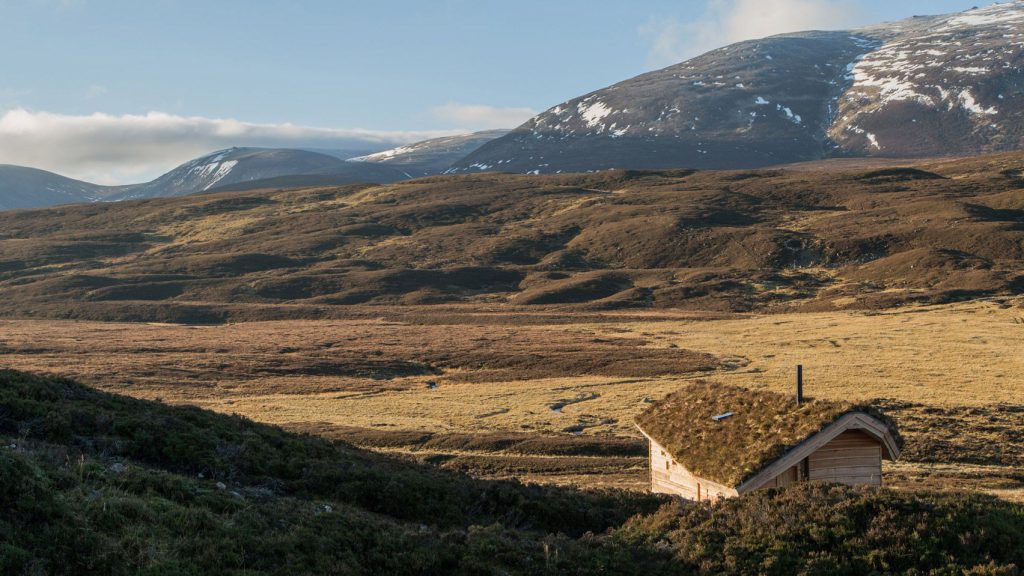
x: 926, y: 86
x: 242, y: 166
x: 92, y: 482
x: 431, y: 156
x: 727, y: 241
x: 237, y: 169
x: 22, y: 187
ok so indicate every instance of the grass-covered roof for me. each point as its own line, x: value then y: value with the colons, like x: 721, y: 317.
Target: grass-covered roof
x: 763, y: 427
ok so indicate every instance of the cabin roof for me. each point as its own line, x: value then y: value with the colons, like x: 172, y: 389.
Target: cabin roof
x: 763, y: 428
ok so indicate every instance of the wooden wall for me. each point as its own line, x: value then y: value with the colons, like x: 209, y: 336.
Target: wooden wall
x: 853, y: 457
x: 671, y: 477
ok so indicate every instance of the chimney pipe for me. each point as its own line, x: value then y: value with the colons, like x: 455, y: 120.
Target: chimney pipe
x: 799, y: 384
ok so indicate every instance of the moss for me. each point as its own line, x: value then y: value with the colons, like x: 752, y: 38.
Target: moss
x: 764, y: 426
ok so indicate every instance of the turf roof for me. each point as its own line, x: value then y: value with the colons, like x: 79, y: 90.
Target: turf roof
x: 764, y: 426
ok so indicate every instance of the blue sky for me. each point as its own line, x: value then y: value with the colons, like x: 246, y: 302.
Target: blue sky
x: 396, y: 69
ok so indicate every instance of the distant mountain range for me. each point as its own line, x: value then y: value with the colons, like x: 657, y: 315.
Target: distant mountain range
x: 925, y: 86
x: 250, y: 165
x: 245, y: 168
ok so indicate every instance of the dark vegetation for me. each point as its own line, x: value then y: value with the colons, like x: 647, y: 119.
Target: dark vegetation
x: 767, y: 240
x: 96, y: 483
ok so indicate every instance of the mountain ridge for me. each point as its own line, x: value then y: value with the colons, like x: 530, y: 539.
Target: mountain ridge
x: 925, y: 86
x: 432, y: 156
x: 32, y: 187
x: 240, y: 168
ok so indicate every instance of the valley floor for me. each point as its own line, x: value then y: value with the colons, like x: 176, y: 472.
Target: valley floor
x: 546, y: 397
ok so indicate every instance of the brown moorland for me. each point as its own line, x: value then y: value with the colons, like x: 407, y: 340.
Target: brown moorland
x: 765, y: 240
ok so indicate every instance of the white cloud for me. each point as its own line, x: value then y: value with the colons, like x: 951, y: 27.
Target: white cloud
x: 481, y: 117
x: 726, y: 21
x: 131, y: 148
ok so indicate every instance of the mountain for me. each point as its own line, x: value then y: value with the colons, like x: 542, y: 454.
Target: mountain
x: 431, y: 156
x: 244, y: 166
x: 22, y: 187
x: 925, y: 86
x: 237, y: 169
x: 344, y: 153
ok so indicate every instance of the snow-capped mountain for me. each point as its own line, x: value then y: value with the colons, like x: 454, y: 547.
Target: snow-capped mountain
x: 22, y: 187
x: 941, y: 85
x: 240, y: 165
x: 946, y: 85
x: 431, y: 156
x: 244, y: 168
x: 234, y: 168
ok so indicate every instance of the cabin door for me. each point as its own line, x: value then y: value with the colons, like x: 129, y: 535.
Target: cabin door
x: 786, y: 478
x: 793, y: 474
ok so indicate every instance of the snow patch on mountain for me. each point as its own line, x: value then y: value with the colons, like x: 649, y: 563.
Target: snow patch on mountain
x: 592, y: 114
x: 971, y: 105
x: 385, y: 155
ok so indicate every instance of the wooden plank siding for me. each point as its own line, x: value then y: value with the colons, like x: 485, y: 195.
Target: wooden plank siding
x: 853, y: 457
x: 852, y: 421
x: 671, y: 477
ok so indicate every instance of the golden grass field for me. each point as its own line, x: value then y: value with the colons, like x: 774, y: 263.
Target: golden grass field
x: 952, y: 375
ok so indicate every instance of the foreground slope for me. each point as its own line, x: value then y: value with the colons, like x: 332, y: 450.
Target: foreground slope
x: 93, y: 482
x: 727, y: 241
x: 925, y: 86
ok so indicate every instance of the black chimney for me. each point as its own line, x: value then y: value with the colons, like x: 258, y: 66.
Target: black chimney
x: 799, y: 384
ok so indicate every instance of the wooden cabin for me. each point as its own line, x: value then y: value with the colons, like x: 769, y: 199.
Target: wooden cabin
x: 709, y: 442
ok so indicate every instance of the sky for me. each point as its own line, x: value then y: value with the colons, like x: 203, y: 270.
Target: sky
x: 120, y: 91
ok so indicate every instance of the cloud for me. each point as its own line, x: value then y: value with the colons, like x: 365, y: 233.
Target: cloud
x: 123, y: 149
x: 726, y: 21
x: 481, y: 117
x: 95, y: 91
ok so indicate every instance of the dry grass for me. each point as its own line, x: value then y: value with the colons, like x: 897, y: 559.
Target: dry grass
x: 951, y: 374
x: 956, y: 355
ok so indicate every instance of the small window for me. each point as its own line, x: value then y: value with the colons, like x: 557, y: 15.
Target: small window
x: 667, y: 464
